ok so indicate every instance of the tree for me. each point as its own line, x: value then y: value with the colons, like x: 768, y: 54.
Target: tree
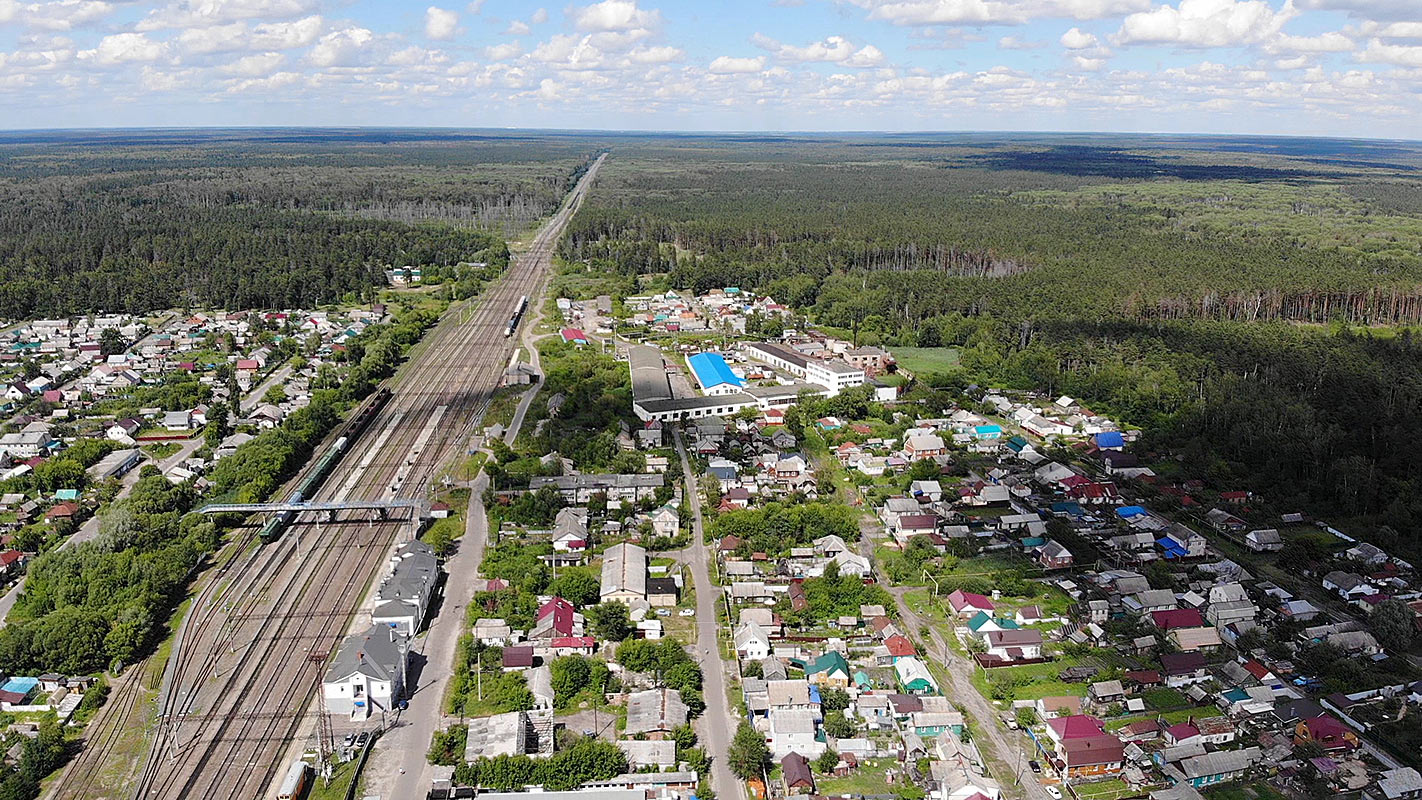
x: 439, y: 538
x: 577, y: 586
x: 827, y: 761
x: 111, y: 342
x: 216, y: 429
x: 610, y: 621
x: 685, y: 738
x: 833, y: 699
x: 838, y: 726
x: 748, y: 754
x: 570, y: 676
x: 1393, y: 624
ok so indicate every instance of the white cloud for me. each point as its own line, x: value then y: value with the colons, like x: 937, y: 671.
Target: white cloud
x: 539, y: 17
x: 286, y: 35
x: 441, y: 23
x: 238, y: 36
x: 339, y: 48
x: 993, y: 12
x: 123, y: 48
x: 730, y: 65
x: 833, y: 50
x: 615, y: 15
x: 1207, y: 23
x: 1088, y: 64
x: 60, y: 15
x: 1331, y: 42
x: 1369, y: 9
x: 277, y: 81
x: 518, y: 28
x: 502, y: 52
x: 1016, y: 43
x: 198, y: 13
x: 656, y: 55
x: 1400, y: 55
x: 255, y: 64
x: 1077, y: 39
x: 1395, y: 30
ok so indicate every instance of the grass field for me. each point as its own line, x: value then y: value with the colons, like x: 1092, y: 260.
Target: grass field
x: 920, y: 360
x: 1244, y: 791
x: 1104, y: 790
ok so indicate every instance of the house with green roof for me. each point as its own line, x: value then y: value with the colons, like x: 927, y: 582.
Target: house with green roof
x: 829, y: 669
x: 981, y: 624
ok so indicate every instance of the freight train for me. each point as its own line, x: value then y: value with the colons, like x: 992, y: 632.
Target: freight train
x: 309, y: 485
x: 517, y: 316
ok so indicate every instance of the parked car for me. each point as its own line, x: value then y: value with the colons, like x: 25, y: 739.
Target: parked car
x: 1035, y: 765
x: 1054, y: 792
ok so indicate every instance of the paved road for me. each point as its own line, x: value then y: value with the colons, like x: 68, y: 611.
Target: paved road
x: 960, y: 670
x: 717, y: 724
x: 398, y: 767
x: 90, y: 528
x: 254, y: 397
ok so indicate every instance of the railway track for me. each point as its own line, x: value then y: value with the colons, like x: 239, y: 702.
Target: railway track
x: 253, y: 649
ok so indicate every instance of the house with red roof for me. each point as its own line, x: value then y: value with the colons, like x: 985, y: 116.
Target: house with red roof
x: 1083, y: 747
x: 573, y: 645
x: 1182, y: 733
x: 1327, y: 732
x: 11, y: 562
x: 1177, y: 618
x: 968, y: 604
x: 899, y: 647
x: 557, y: 618
x: 574, y: 336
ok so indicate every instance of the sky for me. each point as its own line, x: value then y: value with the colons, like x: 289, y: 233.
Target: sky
x: 1297, y: 67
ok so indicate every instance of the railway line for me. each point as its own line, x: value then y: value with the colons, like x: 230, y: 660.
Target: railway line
x: 254, y: 646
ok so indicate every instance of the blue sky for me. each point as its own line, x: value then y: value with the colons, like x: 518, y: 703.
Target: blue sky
x: 1302, y: 67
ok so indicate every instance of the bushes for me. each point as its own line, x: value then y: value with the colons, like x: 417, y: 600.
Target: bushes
x: 588, y: 760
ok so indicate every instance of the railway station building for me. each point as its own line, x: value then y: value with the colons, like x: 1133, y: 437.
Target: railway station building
x: 367, y: 676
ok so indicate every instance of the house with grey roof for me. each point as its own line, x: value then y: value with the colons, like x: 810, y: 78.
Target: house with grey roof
x: 624, y: 573
x: 404, y: 595
x: 368, y: 673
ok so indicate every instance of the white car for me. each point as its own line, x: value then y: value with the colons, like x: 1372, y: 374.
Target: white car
x: 1054, y: 792
x: 687, y: 612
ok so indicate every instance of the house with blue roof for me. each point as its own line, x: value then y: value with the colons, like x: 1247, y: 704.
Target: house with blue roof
x: 987, y: 432
x: 714, y: 375
x: 1129, y: 512
x: 1109, y: 440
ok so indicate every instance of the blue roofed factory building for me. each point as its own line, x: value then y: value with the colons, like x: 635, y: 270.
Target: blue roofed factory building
x: 714, y: 375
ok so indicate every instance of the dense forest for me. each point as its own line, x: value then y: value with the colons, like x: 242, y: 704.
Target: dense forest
x: 1024, y: 230
x: 1216, y: 293
x: 143, y: 222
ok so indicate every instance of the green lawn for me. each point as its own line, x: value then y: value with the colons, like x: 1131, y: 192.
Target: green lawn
x: 1104, y: 790
x: 1035, y: 681
x: 1166, y: 717
x: 1243, y: 791
x: 870, y: 778
x: 926, y: 359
